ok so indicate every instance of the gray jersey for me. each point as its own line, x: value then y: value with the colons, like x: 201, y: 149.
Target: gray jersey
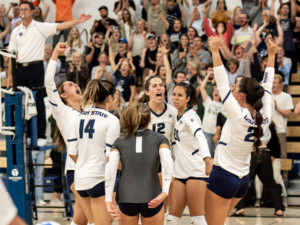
x: 140, y: 159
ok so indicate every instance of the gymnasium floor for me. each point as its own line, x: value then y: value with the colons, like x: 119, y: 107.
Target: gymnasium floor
x: 254, y: 216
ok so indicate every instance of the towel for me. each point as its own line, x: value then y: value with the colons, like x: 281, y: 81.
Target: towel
x: 30, y: 107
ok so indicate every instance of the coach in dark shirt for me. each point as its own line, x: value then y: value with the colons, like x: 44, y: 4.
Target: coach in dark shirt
x: 103, y: 24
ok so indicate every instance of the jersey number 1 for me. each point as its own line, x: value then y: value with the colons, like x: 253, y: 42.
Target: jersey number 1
x: 88, y: 129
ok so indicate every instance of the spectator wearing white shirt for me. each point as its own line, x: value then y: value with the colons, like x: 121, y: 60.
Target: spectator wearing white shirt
x: 48, y: 54
x: 212, y: 106
x: 28, y: 40
x: 75, y: 44
x: 283, y: 103
x: 16, y: 18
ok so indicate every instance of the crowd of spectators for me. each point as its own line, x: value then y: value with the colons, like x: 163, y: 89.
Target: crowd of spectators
x: 127, y: 50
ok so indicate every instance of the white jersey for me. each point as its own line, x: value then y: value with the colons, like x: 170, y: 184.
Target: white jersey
x: 164, y: 123
x: 63, y: 114
x: 189, y: 153
x: 233, y: 152
x: 95, y: 130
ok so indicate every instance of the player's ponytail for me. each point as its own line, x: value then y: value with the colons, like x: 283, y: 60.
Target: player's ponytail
x: 96, y: 92
x: 59, y: 140
x: 136, y: 116
x: 254, y: 93
x: 145, y: 98
x: 190, y: 91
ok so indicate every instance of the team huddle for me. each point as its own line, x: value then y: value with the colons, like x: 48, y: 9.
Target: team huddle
x: 160, y: 149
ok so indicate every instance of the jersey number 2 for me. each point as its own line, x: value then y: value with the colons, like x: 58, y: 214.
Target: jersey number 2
x: 251, y: 131
x: 160, y: 127
x: 88, y: 129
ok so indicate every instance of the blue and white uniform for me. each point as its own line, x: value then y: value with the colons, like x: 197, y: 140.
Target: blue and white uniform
x: 230, y: 174
x: 63, y: 114
x: 164, y: 123
x: 191, y: 148
x: 94, y: 132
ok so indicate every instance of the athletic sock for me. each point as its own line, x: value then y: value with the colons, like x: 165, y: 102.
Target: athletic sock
x: 72, y: 223
x: 172, y: 220
x: 165, y: 220
x: 198, y: 220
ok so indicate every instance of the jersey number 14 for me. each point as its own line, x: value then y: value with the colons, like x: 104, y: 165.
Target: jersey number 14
x: 89, y: 128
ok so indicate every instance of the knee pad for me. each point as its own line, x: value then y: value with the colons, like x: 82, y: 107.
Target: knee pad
x: 172, y: 220
x: 198, y: 220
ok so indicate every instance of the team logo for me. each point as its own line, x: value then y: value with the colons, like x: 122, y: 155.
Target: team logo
x: 180, y: 121
x: 170, y: 116
x: 15, y: 172
x: 192, y: 120
x: 29, y: 95
x: 21, y: 34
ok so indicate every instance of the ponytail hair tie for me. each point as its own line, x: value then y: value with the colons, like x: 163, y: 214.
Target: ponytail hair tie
x: 188, y: 83
x: 257, y: 87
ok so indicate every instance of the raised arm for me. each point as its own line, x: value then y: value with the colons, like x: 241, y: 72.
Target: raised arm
x: 267, y: 81
x: 130, y: 42
x: 259, y: 31
x: 272, y: 10
x: 294, y: 11
x: 192, y: 18
x: 166, y: 63
x: 7, y: 28
x: 46, y: 10
x: 112, y: 58
x: 163, y: 18
x: 231, y: 105
x: 68, y: 24
x: 56, y: 103
x: 183, y: 13
x: 202, y: 88
x: 280, y: 39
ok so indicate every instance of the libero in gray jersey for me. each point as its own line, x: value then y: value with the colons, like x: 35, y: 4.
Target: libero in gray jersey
x: 140, y: 159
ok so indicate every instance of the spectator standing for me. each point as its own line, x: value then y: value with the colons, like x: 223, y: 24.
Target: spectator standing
x: 39, y: 15
x: 124, y: 78
x: 94, y: 50
x: 296, y: 36
x: 78, y: 71
x: 285, y: 65
x: 8, y: 26
x: 123, y: 51
x: 180, y: 54
x: 28, y: 40
x: 235, y: 18
x: 126, y: 6
x: 256, y: 12
x: 248, y: 5
x: 283, y: 103
x: 197, y: 53
x: 287, y: 23
x: 102, y: 25
x: 115, y: 33
x: 212, y: 108
x: 137, y: 43
x: 125, y: 23
x: 103, y: 71
x: 221, y: 27
x: 196, y: 21
x: 245, y: 33
x: 155, y: 23
x: 74, y: 43
x: 63, y: 14
x: 221, y: 13
x: 16, y: 18
x: 47, y: 57
x: 179, y: 77
x: 119, y: 5
x: 173, y: 12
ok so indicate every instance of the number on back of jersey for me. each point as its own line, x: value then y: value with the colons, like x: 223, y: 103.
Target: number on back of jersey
x: 89, y: 128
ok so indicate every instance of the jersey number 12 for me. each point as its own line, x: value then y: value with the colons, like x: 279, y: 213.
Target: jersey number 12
x: 160, y: 127
x: 88, y: 129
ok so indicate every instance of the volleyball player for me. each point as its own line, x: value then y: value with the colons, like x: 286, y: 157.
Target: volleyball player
x: 249, y: 112
x: 95, y: 130
x: 140, y: 151
x: 65, y: 107
x: 192, y: 163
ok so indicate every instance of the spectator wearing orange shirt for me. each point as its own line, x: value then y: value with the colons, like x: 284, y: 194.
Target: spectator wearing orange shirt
x: 63, y: 13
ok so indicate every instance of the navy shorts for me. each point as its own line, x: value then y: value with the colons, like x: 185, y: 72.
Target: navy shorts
x: 226, y: 184
x: 95, y: 192
x: 116, y: 184
x: 192, y: 178
x: 132, y: 209
x: 70, y: 177
x: 159, y: 168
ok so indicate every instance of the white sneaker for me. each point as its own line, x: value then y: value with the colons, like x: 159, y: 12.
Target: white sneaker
x: 41, y: 202
x: 56, y: 202
x: 41, y: 142
x: 28, y: 141
x: 257, y: 203
x: 285, y: 202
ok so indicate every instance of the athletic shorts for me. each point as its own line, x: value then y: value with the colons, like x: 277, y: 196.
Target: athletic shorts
x: 159, y: 168
x: 95, y: 192
x: 132, y: 209
x: 192, y: 178
x: 226, y: 184
x: 70, y: 177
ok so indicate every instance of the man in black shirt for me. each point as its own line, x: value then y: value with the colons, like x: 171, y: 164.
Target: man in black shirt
x: 94, y: 50
x: 103, y: 24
